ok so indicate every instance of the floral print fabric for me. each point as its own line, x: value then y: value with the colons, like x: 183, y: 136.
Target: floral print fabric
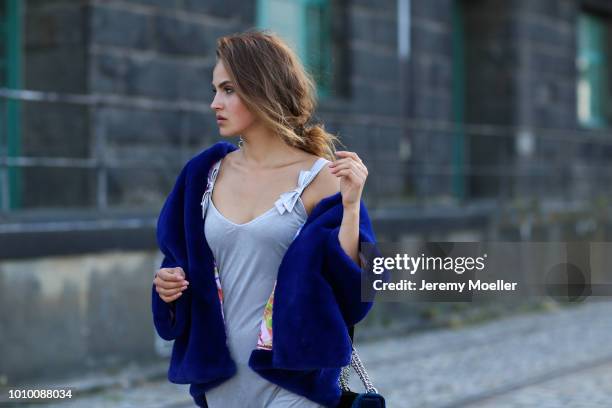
x: 219, y: 289
x: 264, y: 340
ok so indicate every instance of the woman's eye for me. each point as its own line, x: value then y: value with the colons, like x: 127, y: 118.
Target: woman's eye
x: 227, y: 90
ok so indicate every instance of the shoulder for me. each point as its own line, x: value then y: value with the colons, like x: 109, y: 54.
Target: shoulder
x: 326, y: 183
x: 323, y: 185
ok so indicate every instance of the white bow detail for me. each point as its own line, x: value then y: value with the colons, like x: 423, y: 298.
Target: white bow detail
x: 287, y: 200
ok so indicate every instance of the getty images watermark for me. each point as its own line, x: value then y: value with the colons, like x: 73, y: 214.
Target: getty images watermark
x: 468, y: 271
x: 412, y: 265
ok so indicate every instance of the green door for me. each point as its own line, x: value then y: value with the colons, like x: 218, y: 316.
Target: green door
x: 593, y: 64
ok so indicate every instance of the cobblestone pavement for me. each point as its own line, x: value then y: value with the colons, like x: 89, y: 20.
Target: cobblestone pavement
x: 512, y: 362
x: 561, y: 358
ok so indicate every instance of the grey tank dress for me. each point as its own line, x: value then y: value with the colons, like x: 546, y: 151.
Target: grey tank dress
x: 247, y: 257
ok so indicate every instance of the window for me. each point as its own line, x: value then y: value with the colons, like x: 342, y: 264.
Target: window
x: 10, y: 77
x: 306, y: 26
x: 594, y: 94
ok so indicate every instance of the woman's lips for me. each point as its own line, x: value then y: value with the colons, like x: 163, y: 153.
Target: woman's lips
x: 221, y: 120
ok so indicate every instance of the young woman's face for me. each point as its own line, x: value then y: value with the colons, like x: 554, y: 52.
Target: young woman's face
x: 227, y: 104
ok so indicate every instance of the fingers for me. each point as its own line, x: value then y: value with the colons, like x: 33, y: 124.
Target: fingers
x: 341, y: 164
x: 169, y: 295
x: 169, y: 291
x: 353, y: 155
x: 349, y: 164
x: 169, y: 299
x: 172, y: 275
x: 170, y: 283
x: 352, y: 175
x: 344, y: 161
x: 177, y: 273
x: 349, y: 157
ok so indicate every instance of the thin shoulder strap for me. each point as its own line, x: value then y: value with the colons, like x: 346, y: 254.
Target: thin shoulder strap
x: 217, y: 164
x: 210, y: 182
x: 307, y: 176
x: 212, y: 173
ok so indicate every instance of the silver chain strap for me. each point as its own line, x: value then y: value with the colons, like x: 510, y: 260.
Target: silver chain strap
x: 344, y: 377
x: 361, y: 371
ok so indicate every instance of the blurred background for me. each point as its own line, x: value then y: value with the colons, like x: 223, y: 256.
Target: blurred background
x: 479, y: 120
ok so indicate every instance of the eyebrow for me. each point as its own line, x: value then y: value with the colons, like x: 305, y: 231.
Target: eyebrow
x: 222, y: 83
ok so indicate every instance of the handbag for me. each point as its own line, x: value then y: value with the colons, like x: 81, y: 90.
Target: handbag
x: 350, y: 399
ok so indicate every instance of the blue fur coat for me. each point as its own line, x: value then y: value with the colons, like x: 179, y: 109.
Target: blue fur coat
x: 318, y: 294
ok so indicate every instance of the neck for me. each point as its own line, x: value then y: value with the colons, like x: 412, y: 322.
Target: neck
x: 262, y: 149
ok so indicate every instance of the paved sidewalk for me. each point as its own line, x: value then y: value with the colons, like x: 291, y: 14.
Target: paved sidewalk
x: 561, y: 358
x: 526, y: 361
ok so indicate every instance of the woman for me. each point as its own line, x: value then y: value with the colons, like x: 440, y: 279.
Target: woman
x: 282, y: 224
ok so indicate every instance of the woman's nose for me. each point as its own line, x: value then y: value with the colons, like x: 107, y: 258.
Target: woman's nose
x: 215, y: 103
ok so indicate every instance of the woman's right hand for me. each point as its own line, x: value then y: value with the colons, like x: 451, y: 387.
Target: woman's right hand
x: 170, y: 283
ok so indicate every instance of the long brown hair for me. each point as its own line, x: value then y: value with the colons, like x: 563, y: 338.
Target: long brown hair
x: 274, y: 86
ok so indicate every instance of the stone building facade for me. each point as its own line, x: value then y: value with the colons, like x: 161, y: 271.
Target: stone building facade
x: 450, y: 103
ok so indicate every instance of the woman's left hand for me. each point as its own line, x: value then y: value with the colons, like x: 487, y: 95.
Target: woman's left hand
x: 353, y: 174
